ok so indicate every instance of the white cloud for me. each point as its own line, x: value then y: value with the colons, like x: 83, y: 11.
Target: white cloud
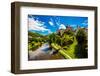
x: 62, y: 26
x: 51, y: 23
x: 50, y: 32
x: 73, y: 25
x: 57, y: 21
x: 85, y: 22
x: 37, y: 25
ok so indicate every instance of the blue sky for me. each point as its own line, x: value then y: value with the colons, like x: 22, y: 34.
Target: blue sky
x: 46, y: 24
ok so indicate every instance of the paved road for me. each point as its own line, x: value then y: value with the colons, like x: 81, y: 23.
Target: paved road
x: 41, y: 53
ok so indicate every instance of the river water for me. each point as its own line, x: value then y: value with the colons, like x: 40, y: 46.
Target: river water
x: 42, y: 52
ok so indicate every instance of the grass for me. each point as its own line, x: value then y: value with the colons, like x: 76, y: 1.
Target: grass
x: 69, y: 53
x: 63, y: 53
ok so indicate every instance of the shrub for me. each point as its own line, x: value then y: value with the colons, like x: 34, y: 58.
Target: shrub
x: 81, y: 48
x: 81, y: 36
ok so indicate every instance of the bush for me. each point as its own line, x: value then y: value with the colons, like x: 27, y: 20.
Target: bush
x: 81, y: 36
x: 67, y: 39
x: 69, y: 32
x: 81, y: 48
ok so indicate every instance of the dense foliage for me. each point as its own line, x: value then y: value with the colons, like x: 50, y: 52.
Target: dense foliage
x: 81, y: 48
x: 35, y: 40
x: 69, y: 43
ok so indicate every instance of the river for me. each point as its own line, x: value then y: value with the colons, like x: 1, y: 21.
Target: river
x: 41, y: 53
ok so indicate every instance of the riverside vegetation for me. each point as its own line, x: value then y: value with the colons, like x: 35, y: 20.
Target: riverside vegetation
x: 68, y: 43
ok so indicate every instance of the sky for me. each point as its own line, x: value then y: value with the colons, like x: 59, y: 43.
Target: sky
x: 46, y: 24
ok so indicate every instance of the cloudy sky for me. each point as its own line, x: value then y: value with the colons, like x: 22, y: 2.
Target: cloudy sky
x: 44, y: 24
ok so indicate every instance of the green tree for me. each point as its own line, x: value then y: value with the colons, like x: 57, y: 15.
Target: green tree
x: 81, y: 48
x: 69, y: 32
x: 81, y: 36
